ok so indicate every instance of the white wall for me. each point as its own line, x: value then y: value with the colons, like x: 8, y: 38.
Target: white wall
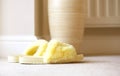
x: 0, y: 14
x: 17, y: 17
x: 16, y: 26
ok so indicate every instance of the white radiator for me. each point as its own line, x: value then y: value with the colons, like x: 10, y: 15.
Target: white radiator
x: 103, y: 13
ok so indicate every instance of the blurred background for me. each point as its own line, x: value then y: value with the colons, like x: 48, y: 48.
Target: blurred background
x: 18, y: 29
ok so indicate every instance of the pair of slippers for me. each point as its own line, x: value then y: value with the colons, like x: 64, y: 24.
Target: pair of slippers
x: 42, y: 51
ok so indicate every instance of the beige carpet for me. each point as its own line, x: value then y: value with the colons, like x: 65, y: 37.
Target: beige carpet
x: 91, y: 66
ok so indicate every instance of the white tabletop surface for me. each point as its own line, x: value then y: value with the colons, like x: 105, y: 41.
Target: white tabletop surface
x: 90, y: 66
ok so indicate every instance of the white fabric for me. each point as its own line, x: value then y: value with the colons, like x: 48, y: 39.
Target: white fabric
x: 91, y: 66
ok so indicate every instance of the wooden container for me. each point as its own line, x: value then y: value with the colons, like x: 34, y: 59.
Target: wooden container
x: 39, y: 18
x: 66, y: 20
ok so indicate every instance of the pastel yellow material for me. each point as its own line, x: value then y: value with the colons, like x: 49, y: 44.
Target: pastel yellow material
x: 43, y: 52
x: 59, y: 52
x: 14, y: 58
x: 31, y: 60
x: 40, y: 59
x: 30, y: 51
x: 42, y: 48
